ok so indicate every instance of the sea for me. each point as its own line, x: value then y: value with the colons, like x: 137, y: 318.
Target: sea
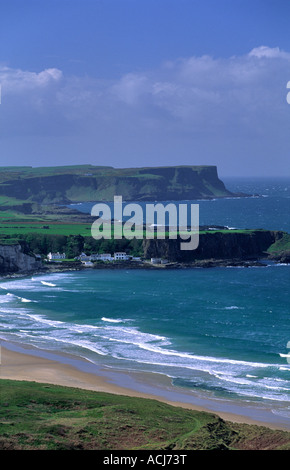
x: 222, y: 333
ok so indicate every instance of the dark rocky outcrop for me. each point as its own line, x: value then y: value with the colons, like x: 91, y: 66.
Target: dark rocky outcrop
x: 246, y: 245
x: 282, y: 257
x: 14, y: 260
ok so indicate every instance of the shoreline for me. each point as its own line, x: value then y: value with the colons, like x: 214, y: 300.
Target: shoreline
x: 146, y: 265
x: 24, y: 363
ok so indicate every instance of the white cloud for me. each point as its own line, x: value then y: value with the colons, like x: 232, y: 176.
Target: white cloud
x: 208, y: 104
x: 269, y: 52
x: 16, y: 80
x: 130, y: 87
x: 182, y: 89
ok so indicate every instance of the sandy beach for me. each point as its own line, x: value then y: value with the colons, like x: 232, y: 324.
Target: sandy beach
x: 19, y: 363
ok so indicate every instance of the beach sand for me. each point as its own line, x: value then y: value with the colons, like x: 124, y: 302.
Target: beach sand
x: 40, y: 366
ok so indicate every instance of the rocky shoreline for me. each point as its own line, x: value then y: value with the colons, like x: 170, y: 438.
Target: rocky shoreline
x: 123, y: 265
x: 217, y: 249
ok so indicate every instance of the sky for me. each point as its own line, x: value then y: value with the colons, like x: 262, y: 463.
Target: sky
x: 134, y: 83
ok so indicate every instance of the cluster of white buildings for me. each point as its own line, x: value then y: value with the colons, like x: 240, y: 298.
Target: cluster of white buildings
x: 118, y: 256
x: 55, y: 256
x: 89, y: 259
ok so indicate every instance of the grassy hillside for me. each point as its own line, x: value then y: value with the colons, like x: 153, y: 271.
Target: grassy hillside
x: 63, y: 185
x: 282, y: 244
x: 41, y: 416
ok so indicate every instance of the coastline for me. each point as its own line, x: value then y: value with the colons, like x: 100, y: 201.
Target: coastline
x: 23, y: 363
x: 198, y: 264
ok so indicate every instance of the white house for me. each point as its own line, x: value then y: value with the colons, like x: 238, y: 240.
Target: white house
x: 121, y: 256
x: 84, y: 257
x: 105, y: 257
x: 55, y: 256
x: 94, y: 257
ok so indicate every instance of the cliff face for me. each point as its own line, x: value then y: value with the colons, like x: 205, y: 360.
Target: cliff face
x: 217, y: 246
x: 13, y: 260
x: 133, y: 184
x: 177, y: 183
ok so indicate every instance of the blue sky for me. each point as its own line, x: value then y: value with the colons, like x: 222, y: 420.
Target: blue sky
x: 146, y: 82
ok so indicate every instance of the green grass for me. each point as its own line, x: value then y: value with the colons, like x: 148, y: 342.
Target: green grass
x: 8, y: 215
x: 57, y: 228
x: 7, y: 205
x: 42, y: 416
x: 10, y: 201
x: 8, y: 228
x: 9, y: 241
x: 280, y: 245
x: 13, y: 172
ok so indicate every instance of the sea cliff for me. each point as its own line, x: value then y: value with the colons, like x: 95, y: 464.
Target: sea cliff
x: 220, y: 248
x: 14, y: 260
x: 64, y: 185
x: 230, y: 245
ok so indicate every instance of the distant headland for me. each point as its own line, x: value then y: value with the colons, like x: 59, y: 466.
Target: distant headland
x: 29, y: 186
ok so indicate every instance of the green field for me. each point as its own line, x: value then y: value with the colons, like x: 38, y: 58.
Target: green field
x: 57, y: 228
x: 47, y: 417
x: 281, y: 245
x: 10, y: 201
x: 14, y: 229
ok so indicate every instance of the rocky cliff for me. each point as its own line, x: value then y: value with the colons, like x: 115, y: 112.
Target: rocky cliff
x: 14, y: 260
x: 243, y: 245
x: 102, y: 184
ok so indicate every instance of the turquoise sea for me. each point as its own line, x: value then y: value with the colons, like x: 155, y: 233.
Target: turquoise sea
x: 221, y: 333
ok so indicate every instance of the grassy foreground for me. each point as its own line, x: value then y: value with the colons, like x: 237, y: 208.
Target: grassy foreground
x: 47, y: 417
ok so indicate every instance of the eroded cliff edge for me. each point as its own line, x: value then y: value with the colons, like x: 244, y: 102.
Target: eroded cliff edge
x: 225, y: 248
x: 14, y: 260
x: 234, y: 247
x: 64, y: 185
